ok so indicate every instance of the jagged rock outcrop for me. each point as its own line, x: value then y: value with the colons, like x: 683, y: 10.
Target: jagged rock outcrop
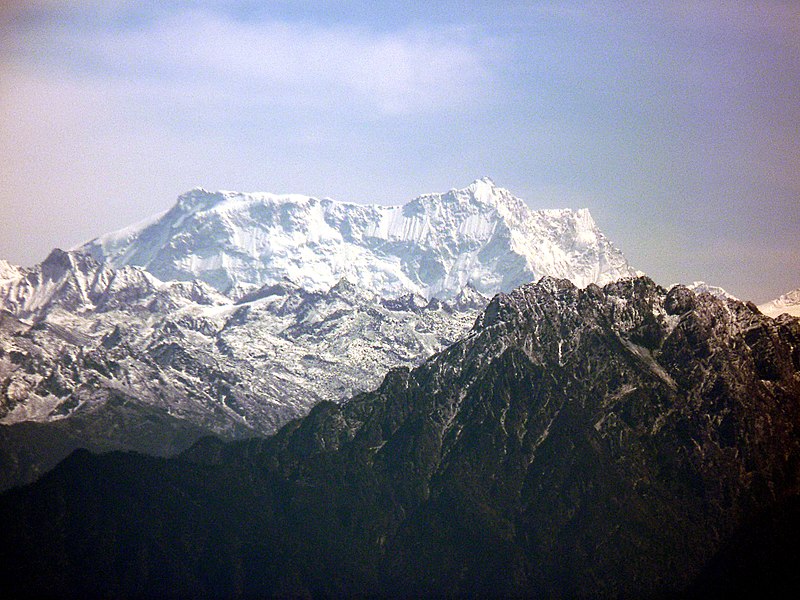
x: 601, y: 442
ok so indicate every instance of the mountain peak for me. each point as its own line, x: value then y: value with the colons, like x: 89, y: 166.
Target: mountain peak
x: 198, y: 199
x: 71, y: 279
x: 699, y: 287
x: 62, y: 262
x: 432, y: 246
x: 344, y: 287
x: 57, y: 258
x: 788, y: 303
x: 482, y: 183
x: 483, y: 191
x: 8, y: 271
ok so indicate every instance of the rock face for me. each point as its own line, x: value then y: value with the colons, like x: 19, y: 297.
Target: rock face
x: 433, y: 246
x: 89, y: 344
x: 597, y: 442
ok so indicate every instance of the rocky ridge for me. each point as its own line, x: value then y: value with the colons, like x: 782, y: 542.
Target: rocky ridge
x: 82, y: 343
x: 605, y: 442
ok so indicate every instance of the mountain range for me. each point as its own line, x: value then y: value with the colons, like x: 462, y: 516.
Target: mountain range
x: 433, y: 246
x: 231, y: 314
x: 288, y: 396
x: 623, y: 441
x: 108, y: 348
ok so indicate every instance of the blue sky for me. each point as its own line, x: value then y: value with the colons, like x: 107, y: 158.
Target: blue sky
x: 677, y: 123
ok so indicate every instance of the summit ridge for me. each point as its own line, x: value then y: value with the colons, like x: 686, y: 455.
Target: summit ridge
x: 433, y: 246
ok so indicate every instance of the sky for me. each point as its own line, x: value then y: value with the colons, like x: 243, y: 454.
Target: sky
x: 676, y: 122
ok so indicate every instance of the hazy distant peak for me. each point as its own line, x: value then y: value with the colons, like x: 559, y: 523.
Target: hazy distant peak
x: 434, y: 245
x: 8, y: 271
x: 788, y: 303
x: 702, y: 287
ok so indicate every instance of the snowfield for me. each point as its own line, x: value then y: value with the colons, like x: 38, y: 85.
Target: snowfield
x: 434, y: 246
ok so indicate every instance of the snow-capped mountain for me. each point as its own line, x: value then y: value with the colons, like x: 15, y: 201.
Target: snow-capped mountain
x: 233, y: 313
x: 281, y: 346
x: 72, y: 280
x: 433, y: 246
x: 788, y: 303
x: 118, y: 359
x: 701, y: 287
x: 75, y: 282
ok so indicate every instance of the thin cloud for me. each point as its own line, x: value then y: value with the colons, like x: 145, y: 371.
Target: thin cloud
x: 397, y: 72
